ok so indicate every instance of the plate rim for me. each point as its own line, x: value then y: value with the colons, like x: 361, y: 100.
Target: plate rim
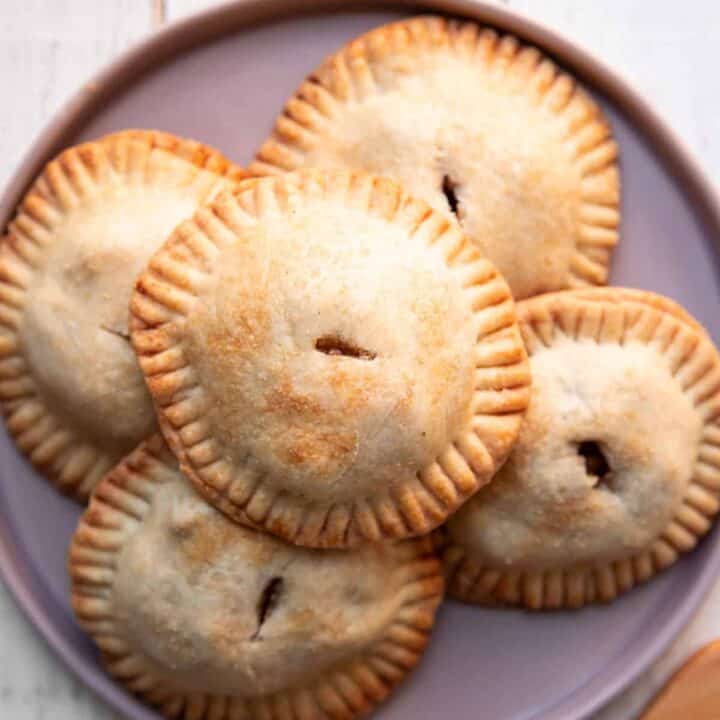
x: 210, y: 24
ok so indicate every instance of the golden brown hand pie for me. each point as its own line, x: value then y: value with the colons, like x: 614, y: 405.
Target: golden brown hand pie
x: 479, y: 125
x: 73, y: 396
x: 617, y: 467
x: 210, y: 620
x: 332, y: 361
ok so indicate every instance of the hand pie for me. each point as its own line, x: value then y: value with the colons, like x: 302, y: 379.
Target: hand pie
x: 209, y: 620
x: 73, y: 396
x: 481, y: 126
x: 616, y: 470
x: 331, y: 360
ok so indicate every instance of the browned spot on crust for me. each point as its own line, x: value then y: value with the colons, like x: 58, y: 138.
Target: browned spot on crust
x: 163, y: 387
x: 323, y: 433
x: 243, y: 324
x: 250, y: 327
x: 444, y: 370
x: 203, y: 537
x: 299, y: 619
x: 94, y: 516
x: 87, y: 535
x: 318, y: 447
x: 280, y: 526
x: 249, y: 335
x: 354, y: 390
x: 283, y: 399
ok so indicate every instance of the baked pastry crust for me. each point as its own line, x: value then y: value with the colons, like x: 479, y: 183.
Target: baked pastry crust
x: 74, y: 400
x: 624, y: 296
x: 628, y: 372
x: 481, y: 126
x: 332, y: 361
x: 209, y: 620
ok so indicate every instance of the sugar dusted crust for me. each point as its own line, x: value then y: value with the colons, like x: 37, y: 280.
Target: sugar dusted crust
x: 119, y: 509
x: 414, y: 502
x: 43, y: 272
x: 447, y: 105
x: 612, y: 318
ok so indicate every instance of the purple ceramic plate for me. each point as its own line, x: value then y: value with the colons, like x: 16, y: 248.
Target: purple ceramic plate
x: 221, y: 77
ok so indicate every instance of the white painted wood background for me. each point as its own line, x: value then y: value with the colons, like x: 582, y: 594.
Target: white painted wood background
x: 667, y: 49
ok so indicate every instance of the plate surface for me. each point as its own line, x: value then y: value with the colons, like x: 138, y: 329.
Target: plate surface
x: 222, y: 77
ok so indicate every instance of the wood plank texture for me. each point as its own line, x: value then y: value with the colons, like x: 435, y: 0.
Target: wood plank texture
x: 664, y: 49
x: 48, y: 48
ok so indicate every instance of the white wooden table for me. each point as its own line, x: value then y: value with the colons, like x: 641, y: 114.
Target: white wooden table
x: 668, y: 50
